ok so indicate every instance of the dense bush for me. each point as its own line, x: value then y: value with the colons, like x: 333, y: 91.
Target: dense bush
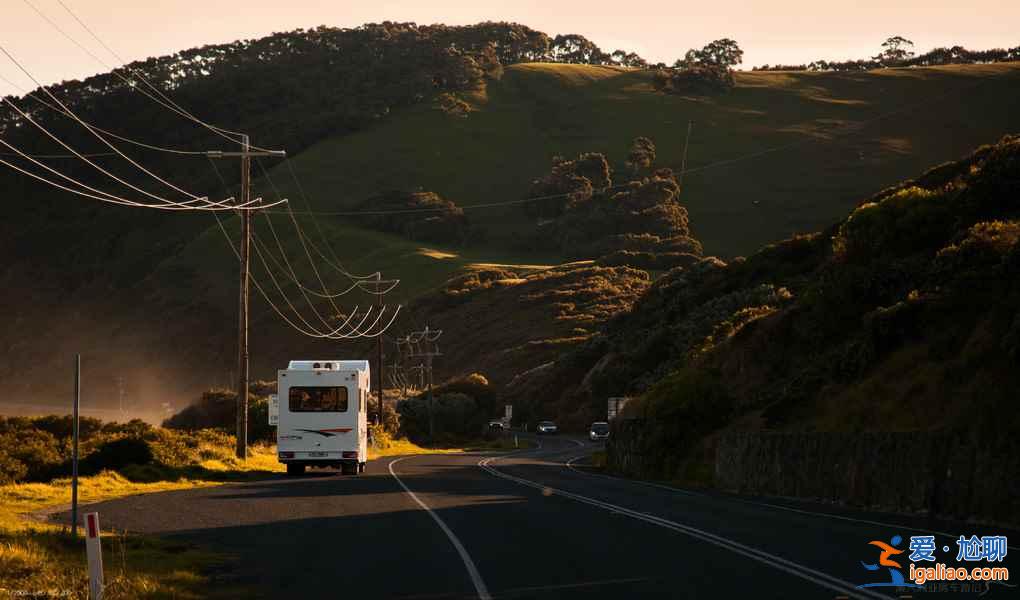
x: 694, y: 79
x: 419, y: 216
x: 29, y: 453
x: 570, y: 182
x: 459, y: 410
x: 217, y: 409
x: 643, y: 215
x: 905, y: 310
x: 904, y: 221
x: 116, y: 454
x: 676, y: 413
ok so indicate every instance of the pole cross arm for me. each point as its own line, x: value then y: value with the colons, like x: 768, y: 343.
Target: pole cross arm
x: 246, y: 154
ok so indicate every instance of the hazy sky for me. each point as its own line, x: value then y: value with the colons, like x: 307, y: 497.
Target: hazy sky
x: 769, y: 31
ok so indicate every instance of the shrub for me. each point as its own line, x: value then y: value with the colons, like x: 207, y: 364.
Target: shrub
x: 217, y: 409
x: 426, y: 216
x: 456, y: 416
x: 904, y: 222
x: 679, y: 411
x: 694, y: 79
x: 30, y: 454
x: 11, y: 469
x: 116, y: 454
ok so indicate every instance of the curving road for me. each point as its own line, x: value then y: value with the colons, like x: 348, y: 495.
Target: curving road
x: 533, y: 524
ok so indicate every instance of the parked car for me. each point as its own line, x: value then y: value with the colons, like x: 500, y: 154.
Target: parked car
x: 496, y: 426
x: 545, y: 427
x: 599, y: 431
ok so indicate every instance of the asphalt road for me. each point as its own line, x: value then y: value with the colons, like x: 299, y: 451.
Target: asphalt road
x: 533, y: 524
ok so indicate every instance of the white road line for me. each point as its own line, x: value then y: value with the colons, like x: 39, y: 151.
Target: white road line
x: 796, y: 569
x: 810, y: 513
x: 476, y: 577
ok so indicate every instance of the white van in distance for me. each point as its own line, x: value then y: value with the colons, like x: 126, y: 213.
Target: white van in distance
x: 320, y: 413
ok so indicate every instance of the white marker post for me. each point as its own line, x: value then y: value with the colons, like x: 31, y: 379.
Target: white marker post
x: 94, y: 550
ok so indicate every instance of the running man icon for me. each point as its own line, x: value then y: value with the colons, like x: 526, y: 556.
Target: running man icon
x: 884, y: 560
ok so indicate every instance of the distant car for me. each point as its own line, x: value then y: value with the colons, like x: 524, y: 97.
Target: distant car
x: 496, y: 426
x: 546, y: 427
x: 599, y: 431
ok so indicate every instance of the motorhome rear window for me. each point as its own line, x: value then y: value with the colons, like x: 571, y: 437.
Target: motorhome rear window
x: 318, y: 399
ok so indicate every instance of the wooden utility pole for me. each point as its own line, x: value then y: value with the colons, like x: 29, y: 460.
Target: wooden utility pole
x: 242, y: 311
x: 74, y: 447
x: 244, y: 253
x: 379, y: 341
x: 683, y: 162
x: 424, y: 344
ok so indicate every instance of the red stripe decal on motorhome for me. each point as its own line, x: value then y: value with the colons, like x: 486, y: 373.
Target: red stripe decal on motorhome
x: 327, y: 432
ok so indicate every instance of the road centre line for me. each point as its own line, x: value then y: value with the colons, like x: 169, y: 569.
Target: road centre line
x: 570, y: 464
x: 802, y: 571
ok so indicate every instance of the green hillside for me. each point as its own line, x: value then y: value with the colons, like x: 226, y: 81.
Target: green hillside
x: 808, y: 146
x: 836, y: 138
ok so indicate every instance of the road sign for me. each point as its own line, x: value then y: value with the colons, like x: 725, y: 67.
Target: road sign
x: 94, y: 550
x: 615, y: 406
x: 274, y: 409
x: 509, y: 412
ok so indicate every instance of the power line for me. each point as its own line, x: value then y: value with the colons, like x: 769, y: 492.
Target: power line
x: 141, y: 77
x: 306, y: 328
x: 305, y: 242
x: 310, y: 332
x: 167, y: 103
x: 403, y: 211
x: 379, y: 281
x: 293, y: 276
x: 28, y: 94
x: 113, y: 199
x: 304, y: 197
x: 92, y: 131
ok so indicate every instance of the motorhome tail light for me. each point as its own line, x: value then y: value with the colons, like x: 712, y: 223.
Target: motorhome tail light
x: 350, y: 454
x: 286, y: 455
x: 315, y: 365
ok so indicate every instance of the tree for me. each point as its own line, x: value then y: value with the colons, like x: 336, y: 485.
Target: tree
x: 724, y: 53
x: 641, y: 155
x: 577, y: 49
x: 895, y: 50
x: 575, y: 180
x: 628, y: 59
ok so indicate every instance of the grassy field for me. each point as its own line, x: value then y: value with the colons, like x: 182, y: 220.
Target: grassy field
x: 811, y: 144
x: 40, y: 557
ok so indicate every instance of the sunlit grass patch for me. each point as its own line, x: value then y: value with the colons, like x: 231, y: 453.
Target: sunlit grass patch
x: 383, y: 445
x: 41, y: 557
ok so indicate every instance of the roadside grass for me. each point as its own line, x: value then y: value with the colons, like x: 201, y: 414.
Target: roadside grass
x: 384, y: 445
x: 504, y: 442
x: 382, y: 448
x: 40, y: 558
x: 44, y: 560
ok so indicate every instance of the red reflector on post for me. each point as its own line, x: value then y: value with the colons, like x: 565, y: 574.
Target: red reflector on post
x: 350, y: 454
x: 91, y: 529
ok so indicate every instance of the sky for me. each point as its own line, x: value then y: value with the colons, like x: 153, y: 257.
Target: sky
x: 769, y: 31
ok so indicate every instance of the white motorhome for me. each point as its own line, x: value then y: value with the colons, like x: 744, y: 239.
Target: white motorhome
x: 321, y: 415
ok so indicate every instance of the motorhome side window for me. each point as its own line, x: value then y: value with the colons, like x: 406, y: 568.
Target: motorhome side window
x: 318, y: 399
